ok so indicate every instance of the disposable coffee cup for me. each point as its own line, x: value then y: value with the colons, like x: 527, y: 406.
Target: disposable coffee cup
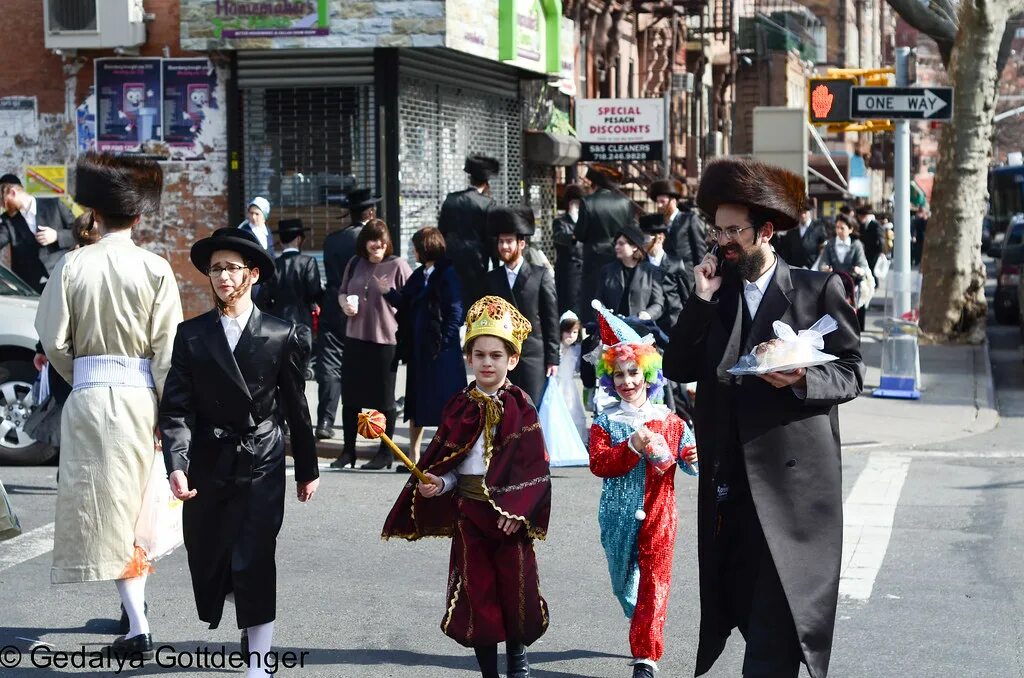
x: 353, y: 300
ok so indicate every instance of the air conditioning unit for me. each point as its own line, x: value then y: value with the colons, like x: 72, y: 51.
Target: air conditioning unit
x: 93, y: 24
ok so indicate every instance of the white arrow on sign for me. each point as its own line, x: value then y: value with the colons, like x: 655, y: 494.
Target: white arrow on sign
x: 926, y: 102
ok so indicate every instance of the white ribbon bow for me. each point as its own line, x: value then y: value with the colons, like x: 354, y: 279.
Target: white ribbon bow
x: 813, y: 335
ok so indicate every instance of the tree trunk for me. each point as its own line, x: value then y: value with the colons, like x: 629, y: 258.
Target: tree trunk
x: 953, y: 306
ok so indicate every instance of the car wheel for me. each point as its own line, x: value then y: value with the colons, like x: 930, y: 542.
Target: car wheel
x: 16, y: 404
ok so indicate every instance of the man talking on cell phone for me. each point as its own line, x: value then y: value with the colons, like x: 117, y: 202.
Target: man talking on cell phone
x: 769, y: 519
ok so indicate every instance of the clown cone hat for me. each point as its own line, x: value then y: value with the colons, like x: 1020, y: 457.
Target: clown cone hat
x: 614, y: 330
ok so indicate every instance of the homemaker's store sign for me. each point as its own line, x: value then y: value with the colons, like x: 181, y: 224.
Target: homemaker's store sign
x: 620, y: 129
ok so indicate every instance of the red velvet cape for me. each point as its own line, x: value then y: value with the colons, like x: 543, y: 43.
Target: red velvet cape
x: 518, y: 479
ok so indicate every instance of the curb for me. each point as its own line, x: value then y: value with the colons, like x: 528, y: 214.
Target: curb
x: 987, y: 413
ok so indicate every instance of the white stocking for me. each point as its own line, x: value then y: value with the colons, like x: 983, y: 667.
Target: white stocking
x: 133, y: 597
x: 260, y: 637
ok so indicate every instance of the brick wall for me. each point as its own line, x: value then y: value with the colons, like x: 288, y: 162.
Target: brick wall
x: 778, y: 80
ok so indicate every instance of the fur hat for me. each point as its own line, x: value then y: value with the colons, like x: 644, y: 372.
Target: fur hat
x: 517, y: 220
x: 752, y: 183
x: 118, y: 185
x: 481, y: 168
x: 604, y: 176
x: 571, y: 192
x: 673, y: 188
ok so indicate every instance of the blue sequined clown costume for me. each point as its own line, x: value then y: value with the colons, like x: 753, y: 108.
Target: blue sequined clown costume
x: 637, y: 511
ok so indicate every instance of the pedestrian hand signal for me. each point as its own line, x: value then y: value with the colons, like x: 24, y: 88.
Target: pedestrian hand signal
x: 829, y: 100
x: 821, y: 101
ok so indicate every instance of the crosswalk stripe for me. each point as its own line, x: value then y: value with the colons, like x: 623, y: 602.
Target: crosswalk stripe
x: 26, y: 546
x: 867, y: 522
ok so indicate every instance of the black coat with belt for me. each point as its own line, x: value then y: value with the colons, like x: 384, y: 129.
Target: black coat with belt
x: 463, y: 223
x: 602, y: 214
x: 687, y: 240
x: 218, y: 425
x: 295, y: 290
x: 534, y: 295
x: 31, y: 261
x: 801, y: 251
x: 790, y: 446
x: 646, y: 291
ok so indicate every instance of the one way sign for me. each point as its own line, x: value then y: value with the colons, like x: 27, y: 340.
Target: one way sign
x: 901, y: 103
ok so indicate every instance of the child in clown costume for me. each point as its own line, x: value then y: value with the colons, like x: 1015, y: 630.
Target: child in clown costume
x: 635, y: 446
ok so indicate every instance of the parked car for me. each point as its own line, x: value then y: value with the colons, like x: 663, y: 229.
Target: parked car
x: 18, y: 304
x: 986, y: 234
x: 1007, y: 309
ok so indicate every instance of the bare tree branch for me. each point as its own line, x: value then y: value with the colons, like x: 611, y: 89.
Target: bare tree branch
x: 935, y: 24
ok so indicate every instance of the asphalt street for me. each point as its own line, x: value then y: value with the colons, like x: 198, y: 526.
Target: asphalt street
x: 931, y: 586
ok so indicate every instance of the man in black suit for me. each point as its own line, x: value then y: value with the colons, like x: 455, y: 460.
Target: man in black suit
x: 676, y: 281
x: 603, y: 214
x: 37, y: 229
x: 531, y: 289
x: 799, y: 247
x: 769, y: 500
x: 295, y: 292
x: 568, y: 252
x: 463, y: 223
x: 872, y: 235
x: 339, y: 248
x: 686, y: 239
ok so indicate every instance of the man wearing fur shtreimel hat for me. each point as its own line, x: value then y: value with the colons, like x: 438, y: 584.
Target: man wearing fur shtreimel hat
x: 770, y: 503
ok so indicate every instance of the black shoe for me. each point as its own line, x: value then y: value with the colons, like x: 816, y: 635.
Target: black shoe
x: 382, y: 459
x: 324, y: 432
x: 125, y: 625
x: 130, y: 648
x: 344, y: 459
x: 244, y: 643
x: 518, y: 666
x: 401, y: 468
x: 643, y: 671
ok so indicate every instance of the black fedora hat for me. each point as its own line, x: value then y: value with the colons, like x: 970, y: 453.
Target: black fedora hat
x: 235, y: 240
x: 653, y: 223
x: 360, y: 199
x: 10, y: 179
x: 289, y: 229
x: 633, y: 234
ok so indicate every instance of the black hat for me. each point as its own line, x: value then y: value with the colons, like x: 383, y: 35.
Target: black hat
x: 517, y: 220
x: 633, y: 234
x: 481, y: 168
x: 359, y: 199
x: 571, y: 192
x: 10, y: 179
x: 235, y: 240
x: 289, y: 229
x: 653, y: 223
x: 673, y: 188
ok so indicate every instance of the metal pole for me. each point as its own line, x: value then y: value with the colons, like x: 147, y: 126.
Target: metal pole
x: 901, y: 179
x: 666, y: 146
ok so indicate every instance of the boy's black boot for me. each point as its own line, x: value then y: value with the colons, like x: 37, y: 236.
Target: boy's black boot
x: 518, y: 666
x: 487, y: 658
x: 643, y: 671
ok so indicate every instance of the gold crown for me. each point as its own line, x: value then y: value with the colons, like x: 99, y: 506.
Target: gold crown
x: 496, y: 317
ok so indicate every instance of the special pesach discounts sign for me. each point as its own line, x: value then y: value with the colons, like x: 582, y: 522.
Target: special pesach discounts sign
x: 620, y: 129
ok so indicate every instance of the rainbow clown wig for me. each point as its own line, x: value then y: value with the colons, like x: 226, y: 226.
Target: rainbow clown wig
x: 621, y: 343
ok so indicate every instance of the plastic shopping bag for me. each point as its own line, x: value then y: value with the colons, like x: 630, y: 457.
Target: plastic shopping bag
x: 658, y: 454
x: 158, y: 527
x: 560, y: 434
x: 10, y: 527
x: 789, y: 350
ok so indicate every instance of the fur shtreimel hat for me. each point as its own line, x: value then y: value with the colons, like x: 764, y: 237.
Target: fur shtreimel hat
x: 481, y: 168
x: 517, y: 220
x: 673, y: 188
x: 118, y: 185
x: 604, y: 176
x: 733, y: 181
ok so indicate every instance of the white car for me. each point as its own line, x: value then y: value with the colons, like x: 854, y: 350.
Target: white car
x: 18, y: 304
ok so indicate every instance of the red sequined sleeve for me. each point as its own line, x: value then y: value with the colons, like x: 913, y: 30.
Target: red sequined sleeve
x: 607, y: 460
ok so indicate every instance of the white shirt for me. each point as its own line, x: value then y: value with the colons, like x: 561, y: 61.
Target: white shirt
x: 289, y: 249
x: 803, y: 229
x: 513, y: 273
x: 753, y: 292
x: 233, y: 327
x: 842, y: 249
x: 29, y: 213
x: 472, y: 465
x: 656, y: 259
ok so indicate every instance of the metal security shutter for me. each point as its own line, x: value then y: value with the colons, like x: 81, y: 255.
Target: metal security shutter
x: 303, y: 145
x: 439, y: 125
x: 304, y: 68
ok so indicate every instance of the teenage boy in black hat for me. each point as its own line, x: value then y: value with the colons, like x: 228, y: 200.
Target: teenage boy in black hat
x: 677, y: 278
x: 531, y: 289
x: 295, y: 292
x: 339, y: 248
x: 463, y: 223
x: 686, y: 239
x: 233, y: 370
x: 37, y: 229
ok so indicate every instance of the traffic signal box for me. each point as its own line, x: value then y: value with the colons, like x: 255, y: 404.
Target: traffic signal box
x: 829, y: 99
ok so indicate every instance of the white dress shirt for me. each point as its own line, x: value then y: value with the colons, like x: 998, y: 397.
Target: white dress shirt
x: 233, y: 327
x: 843, y: 249
x: 513, y: 272
x: 29, y: 213
x: 289, y: 249
x: 472, y: 465
x: 753, y: 292
x: 656, y: 259
x: 427, y: 270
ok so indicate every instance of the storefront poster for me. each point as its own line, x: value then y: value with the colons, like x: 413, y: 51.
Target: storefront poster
x: 471, y: 27
x: 19, y: 116
x: 85, y: 122
x: 46, y: 180
x: 567, y: 57
x: 280, y: 19
x: 189, y: 87
x: 620, y: 129
x: 128, y: 104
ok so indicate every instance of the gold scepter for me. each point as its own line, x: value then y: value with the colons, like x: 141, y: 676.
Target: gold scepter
x: 371, y: 425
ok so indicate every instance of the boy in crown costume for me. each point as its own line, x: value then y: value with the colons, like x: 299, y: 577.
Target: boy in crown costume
x: 635, y: 446
x: 490, y: 491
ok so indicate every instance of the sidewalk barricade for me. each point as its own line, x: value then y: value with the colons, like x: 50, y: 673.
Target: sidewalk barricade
x: 901, y: 363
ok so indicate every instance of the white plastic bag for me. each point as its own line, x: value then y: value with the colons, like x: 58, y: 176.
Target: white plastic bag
x: 158, y: 527
x: 790, y: 351
x: 10, y: 527
x: 560, y: 434
x: 881, y: 268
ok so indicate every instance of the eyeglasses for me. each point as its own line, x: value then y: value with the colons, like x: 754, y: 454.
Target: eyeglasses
x: 232, y: 269
x: 729, y: 233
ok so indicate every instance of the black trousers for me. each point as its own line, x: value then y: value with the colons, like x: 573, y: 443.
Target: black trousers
x: 330, y: 349
x: 752, y: 593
